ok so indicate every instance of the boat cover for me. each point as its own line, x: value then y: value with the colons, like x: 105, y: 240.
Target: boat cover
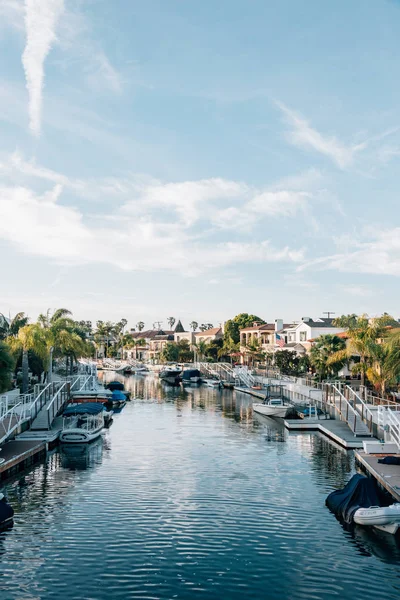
x: 115, y: 385
x: 390, y: 460
x: 118, y: 395
x: 191, y: 373
x: 91, y: 408
x: 6, y: 511
x: 360, y: 492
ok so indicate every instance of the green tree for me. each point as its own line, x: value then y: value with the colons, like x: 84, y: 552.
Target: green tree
x: 345, y: 321
x: 206, y: 326
x: 288, y: 362
x: 140, y: 326
x: 6, y: 367
x: 213, y: 349
x: 185, y: 353
x: 193, y: 325
x: 233, y: 326
x: 254, y: 350
x: 201, y: 349
x: 171, y: 322
x: 12, y: 328
x: 170, y: 352
x: 30, y: 337
x: 384, y: 370
x: 321, y: 352
x: 361, y: 337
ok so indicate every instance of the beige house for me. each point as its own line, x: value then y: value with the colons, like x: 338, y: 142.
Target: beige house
x: 264, y: 333
x: 209, y: 335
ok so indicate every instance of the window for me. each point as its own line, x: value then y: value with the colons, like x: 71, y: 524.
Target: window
x: 303, y: 336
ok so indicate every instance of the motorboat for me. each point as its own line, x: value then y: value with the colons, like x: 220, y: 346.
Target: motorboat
x: 171, y: 375
x: 191, y: 376
x: 272, y: 407
x: 117, y: 401
x: 82, y: 423
x: 214, y: 383
x: 385, y: 518
x: 115, y: 385
x: 6, y: 513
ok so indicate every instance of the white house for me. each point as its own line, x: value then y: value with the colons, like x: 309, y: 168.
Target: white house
x: 306, y: 330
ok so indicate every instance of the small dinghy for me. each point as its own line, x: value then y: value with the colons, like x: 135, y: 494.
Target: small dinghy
x: 361, y: 502
x: 385, y: 518
x: 6, y: 513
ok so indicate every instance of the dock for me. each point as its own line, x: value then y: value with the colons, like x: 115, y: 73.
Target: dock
x: 18, y: 455
x: 337, y: 430
x: 259, y: 394
x: 388, y: 476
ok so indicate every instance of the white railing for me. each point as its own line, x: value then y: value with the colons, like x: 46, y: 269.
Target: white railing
x: 13, y: 418
x: 367, y: 416
x: 389, y: 420
x: 346, y: 411
x: 59, y: 399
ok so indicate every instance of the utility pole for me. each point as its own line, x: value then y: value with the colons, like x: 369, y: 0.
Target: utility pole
x: 329, y: 313
x: 157, y: 324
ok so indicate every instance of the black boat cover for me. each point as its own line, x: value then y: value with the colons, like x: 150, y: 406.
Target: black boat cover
x: 390, y: 460
x: 115, y: 385
x: 191, y: 373
x: 6, y: 512
x: 360, y: 492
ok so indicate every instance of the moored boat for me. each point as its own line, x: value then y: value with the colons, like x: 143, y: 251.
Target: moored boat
x: 6, y: 513
x: 385, y: 518
x: 171, y: 375
x: 272, y: 407
x: 82, y: 423
x: 117, y: 401
x: 191, y: 376
x: 214, y: 383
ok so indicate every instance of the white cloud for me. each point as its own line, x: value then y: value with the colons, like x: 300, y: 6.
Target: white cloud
x: 11, y: 13
x: 41, y: 18
x: 303, y: 135
x: 377, y: 253
x: 40, y: 225
x: 102, y: 73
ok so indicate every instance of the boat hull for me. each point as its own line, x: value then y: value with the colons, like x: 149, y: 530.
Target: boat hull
x: 79, y: 436
x: 270, y: 411
x: 386, y: 518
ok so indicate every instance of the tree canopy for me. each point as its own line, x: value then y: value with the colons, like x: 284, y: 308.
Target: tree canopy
x: 233, y: 326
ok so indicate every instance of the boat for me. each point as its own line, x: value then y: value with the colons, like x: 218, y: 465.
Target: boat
x: 214, y: 383
x: 191, y: 376
x: 115, y: 385
x: 82, y: 423
x: 117, y: 401
x: 228, y: 385
x: 385, y: 518
x: 6, y: 513
x: 272, y: 407
x: 171, y: 375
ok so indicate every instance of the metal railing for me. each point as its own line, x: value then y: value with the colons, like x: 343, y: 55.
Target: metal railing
x: 360, y: 406
x: 12, y: 418
x: 334, y: 396
x: 389, y: 420
x: 59, y: 399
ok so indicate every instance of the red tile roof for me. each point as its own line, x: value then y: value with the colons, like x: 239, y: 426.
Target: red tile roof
x: 213, y: 331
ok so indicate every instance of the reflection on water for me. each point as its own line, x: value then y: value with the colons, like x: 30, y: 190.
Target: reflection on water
x: 187, y: 495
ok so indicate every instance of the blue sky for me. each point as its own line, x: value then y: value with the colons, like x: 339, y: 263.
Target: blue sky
x: 199, y: 159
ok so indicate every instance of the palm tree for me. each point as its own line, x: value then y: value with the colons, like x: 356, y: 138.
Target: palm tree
x: 171, y: 321
x: 12, y: 328
x: 229, y: 348
x: 6, y: 367
x: 254, y: 350
x: 361, y: 336
x: 140, y: 326
x: 30, y: 337
x: 322, y: 353
x: 193, y: 325
x: 201, y: 347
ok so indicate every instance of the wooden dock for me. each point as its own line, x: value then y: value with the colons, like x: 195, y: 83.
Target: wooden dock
x: 259, y: 394
x: 332, y: 428
x: 388, y: 476
x: 17, y: 455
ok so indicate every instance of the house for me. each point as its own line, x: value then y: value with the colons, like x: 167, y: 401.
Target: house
x: 264, y: 333
x: 303, y: 333
x: 180, y: 334
x: 209, y: 335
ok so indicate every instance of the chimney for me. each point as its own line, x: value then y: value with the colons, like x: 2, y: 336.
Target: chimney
x: 305, y: 319
x: 278, y: 324
x: 256, y: 323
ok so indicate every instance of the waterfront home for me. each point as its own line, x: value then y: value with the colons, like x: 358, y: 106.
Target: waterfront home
x: 302, y: 334
x: 180, y: 334
x: 215, y: 333
x: 263, y: 333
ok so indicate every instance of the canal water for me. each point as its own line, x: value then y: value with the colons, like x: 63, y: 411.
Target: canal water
x: 189, y: 495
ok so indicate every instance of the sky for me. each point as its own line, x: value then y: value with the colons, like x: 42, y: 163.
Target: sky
x: 199, y: 159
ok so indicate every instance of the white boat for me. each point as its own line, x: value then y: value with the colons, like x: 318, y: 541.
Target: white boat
x: 82, y: 423
x: 214, y: 383
x: 273, y: 407
x: 385, y: 518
